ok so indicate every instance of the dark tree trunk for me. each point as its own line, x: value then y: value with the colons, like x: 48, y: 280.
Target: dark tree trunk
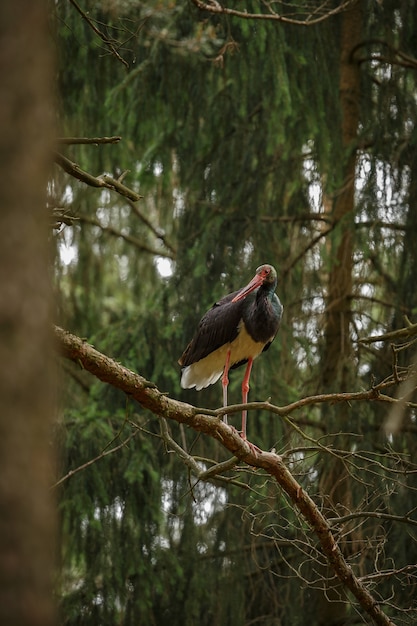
x: 337, y: 367
x: 338, y: 345
x: 27, y: 524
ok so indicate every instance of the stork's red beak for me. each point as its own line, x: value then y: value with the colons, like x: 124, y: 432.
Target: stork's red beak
x: 256, y: 282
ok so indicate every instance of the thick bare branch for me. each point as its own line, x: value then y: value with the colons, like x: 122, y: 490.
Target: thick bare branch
x: 148, y: 395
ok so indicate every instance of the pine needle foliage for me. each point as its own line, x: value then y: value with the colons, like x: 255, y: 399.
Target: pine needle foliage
x: 232, y: 134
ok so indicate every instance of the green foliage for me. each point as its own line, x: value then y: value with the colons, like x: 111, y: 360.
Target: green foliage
x: 234, y: 158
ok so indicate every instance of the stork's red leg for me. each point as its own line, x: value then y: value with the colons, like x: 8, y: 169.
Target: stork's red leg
x: 225, y: 382
x: 245, y: 391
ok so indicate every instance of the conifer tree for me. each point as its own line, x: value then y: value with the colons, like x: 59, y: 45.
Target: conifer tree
x: 249, y: 141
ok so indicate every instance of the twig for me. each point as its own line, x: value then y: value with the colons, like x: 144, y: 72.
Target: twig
x: 325, y: 398
x: 404, y: 519
x: 91, y: 461
x: 156, y: 230
x: 212, y: 6
x: 213, y: 473
x: 73, y: 141
x: 98, y: 32
x: 129, y: 238
x: 401, y: 333
x: 388, y: 573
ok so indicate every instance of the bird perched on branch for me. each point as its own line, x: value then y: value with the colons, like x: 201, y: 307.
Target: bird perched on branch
x: 234, y: 331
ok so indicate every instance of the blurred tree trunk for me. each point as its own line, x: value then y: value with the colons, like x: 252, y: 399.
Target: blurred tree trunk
x: 336, y: 368
x: 27, y: 525
x: 338, y: 372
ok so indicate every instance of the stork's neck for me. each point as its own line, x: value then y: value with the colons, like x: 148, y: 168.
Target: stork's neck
x: 259, y: 316
x: 265, y: 292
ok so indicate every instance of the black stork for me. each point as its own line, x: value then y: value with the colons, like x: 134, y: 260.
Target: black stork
x: 234, y: 331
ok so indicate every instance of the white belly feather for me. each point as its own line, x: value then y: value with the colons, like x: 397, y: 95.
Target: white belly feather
x: 208, y: 370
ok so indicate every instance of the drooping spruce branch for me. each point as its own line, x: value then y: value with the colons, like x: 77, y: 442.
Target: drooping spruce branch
x: 103, y: 454
x: 143, y: 247
x: 391, y: 56
x: 209, y: 422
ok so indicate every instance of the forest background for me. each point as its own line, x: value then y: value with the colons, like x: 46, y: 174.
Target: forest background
x: 196, y: 142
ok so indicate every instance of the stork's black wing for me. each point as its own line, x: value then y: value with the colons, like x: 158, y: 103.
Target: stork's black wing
x: 216, y: 328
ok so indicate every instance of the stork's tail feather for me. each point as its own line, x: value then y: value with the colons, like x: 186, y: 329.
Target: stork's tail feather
x: 191, y: 377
